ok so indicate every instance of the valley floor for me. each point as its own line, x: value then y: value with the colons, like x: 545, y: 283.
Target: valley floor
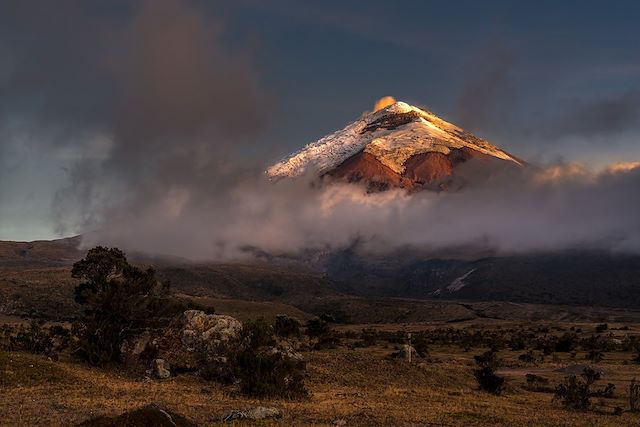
x: 361, y: 386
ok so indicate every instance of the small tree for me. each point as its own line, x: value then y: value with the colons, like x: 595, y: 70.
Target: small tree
x: 115, y: 296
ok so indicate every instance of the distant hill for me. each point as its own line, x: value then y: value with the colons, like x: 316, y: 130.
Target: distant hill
x: 35, y: 280
x: 595, y: 278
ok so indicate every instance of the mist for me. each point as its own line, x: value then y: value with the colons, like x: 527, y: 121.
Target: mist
x: 560, y: 207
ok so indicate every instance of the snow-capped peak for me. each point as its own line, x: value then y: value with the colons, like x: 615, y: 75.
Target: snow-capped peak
x: 392, y: 134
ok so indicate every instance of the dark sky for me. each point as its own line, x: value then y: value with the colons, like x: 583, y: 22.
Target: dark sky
x: 546, y: 80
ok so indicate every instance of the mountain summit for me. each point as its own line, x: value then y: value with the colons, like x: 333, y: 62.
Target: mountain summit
x: 395, y: 145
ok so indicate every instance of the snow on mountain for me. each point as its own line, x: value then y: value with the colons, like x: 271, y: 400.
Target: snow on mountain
x: 392, y: 135
x: 459, y: 283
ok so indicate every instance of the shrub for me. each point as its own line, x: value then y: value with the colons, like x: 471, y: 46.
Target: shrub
x: 634, y: 395
x: 421, y: 345
x: 317, y: 327
x: 487, y: 359
x: 537, y: 383
x: 38, y: 339
x: 488, y: 380
x: 575, y: 392
x: 517, y: 342
x: 595, y: 356
x: 258, y: 333
x: 270, y: 373
x: 260, y: 369
x: 485, y: 374
x: 528, y: 357
x: 286, y: 326
x: 369, y: 337
x: 328, y: 340
x: 566, y: 343
x: 601, y: 328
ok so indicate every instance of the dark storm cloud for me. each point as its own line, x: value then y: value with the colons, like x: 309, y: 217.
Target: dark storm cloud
x: 154, y: 81
x: 483, y: 94
x: 603, y: 117
x: 52, y: 56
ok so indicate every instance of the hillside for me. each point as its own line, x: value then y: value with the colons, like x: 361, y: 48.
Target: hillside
x: 355, y: 289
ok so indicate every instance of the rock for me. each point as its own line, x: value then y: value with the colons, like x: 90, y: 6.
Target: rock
x: 288, y: 352
x: 209, y: 329
x: 133, y: 347
x: 403, y: 353
x: 198, y: 338
x: 150, y: 415
x: 339, y: 422
x: 256, y: 413
x: 160, y: 368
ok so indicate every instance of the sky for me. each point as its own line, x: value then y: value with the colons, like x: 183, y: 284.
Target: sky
x: 96, y: 97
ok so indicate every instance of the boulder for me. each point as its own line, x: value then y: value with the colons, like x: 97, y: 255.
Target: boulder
x: 133, y: 347
x: 160, y: 368
x: 198, y: 338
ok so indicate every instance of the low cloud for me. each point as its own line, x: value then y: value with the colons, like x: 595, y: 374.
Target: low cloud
x: 561, y: 207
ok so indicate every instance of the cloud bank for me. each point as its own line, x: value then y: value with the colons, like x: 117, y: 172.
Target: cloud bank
x: 561, y: 207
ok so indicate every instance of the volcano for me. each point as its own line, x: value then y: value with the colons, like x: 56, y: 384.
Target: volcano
x: 395, y: 146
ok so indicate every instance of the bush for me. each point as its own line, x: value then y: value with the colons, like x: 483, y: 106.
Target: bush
x: 369, y: 337
x: 260, y: 369
x: 317, y: 327
x: 489, y: 381
x: 487, y: 359
x: 38, y: 339
x: 485, y: 374
x: 421, y: 345
x: 634, y: 395
x: 528, y: 357
x: 537, y: 383
x: 258, y: 333
x: 566, y: 343
x: 270, y: 374
x: 286, y: 326
x: 595, y: 356
x: 575, y: 392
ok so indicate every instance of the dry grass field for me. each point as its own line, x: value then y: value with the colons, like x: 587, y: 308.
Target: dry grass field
x: 352, y: 384
x: 361, y: 386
